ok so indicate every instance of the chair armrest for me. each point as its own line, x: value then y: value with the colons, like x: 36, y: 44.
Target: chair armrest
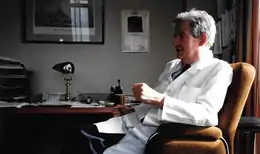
x: 189, y: 132
x: 211, y: 133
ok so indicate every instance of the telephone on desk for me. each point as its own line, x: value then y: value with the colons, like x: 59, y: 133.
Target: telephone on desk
x: 118, y: 97
x: 116, y: 94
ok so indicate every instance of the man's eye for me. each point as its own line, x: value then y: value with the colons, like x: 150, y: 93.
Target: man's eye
x: 176, y: 34
x: 181, y: 34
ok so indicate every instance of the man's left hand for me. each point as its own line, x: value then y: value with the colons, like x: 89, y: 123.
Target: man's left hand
x: 142, y: 92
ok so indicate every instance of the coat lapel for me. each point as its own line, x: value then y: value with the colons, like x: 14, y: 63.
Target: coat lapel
x: 204, y: 61
x: 173, y: 70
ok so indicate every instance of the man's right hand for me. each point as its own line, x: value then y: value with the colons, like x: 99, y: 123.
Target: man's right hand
x: 120, y: 110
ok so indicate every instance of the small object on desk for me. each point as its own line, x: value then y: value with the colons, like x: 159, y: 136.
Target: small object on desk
x: 116, y: 89
x: 53, y: 97
x: 106, y: 103
x: 74, y: 99
x: 116, y: 94
x: 88, y: 100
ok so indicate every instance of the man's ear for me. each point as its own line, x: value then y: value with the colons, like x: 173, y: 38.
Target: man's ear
x: 203, y: 39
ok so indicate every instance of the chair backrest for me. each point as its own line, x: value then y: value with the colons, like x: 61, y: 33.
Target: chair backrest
x: 238, y: 91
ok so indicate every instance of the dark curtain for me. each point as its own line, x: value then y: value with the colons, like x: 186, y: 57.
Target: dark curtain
x: 248, y: 51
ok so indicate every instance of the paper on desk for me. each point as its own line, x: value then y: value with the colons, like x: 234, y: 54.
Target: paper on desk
x: 19, y: 105
x: 51, y: 103
x: 13, y: 104
x: 72, y: 104
x: 54, y: 103
x: 82, y: 105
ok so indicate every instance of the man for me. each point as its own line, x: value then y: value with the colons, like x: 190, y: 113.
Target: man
x: 191, y: 90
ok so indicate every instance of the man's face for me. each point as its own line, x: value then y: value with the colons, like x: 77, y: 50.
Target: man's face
x: 186, y: 45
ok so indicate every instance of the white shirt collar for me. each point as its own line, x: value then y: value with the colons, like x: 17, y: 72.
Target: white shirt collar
x: 205, y: 57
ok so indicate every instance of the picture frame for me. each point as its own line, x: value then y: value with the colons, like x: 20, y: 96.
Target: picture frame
x: 64, y: 21
x: 135, y: 31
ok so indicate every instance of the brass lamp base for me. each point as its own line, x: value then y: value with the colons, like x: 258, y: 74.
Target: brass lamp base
x: 67, y: 79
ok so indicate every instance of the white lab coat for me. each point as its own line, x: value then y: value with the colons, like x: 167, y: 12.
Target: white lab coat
x: 195, y: 98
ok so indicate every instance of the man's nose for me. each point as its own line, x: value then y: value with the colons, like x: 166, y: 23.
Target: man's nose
x: 176, y: 40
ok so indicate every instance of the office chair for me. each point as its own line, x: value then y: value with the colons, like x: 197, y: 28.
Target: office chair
x: 208, y: 140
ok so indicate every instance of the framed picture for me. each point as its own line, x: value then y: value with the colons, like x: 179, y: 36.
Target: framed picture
x: 64, y: 21
x: 135, y: 30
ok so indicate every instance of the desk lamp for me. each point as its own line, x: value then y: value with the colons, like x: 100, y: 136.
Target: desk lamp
x: 66, y: 68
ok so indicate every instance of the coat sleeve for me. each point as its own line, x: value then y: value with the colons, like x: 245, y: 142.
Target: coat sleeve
x: 142, y: 109
x: 203, y: 111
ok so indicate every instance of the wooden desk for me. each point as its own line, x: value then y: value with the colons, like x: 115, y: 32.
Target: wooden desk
x: 112, y: 111
x: 65, y: 110
x: 46, y: 128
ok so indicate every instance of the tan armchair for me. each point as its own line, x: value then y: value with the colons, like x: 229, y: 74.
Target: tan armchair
x: 209, y: 140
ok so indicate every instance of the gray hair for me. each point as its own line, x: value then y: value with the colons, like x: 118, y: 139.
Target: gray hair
x: 201, y: 22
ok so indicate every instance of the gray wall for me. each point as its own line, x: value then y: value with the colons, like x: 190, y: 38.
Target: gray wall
x: 208, y: 5
x: 97, y: 66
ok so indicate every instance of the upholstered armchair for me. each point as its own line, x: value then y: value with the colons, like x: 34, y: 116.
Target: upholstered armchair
x: 208, y: 140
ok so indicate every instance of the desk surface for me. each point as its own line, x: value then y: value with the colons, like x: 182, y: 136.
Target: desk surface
x: 64, y: 110
x: 116, y: 110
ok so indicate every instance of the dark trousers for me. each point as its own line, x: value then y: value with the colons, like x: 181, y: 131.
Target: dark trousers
x: 77, y: 143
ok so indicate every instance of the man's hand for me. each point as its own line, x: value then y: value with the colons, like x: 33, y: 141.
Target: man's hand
x: 120, y: 110
x: 142, y: 92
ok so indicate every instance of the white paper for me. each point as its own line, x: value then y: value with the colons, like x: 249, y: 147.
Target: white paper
x: 50, y: 103
x: 10, y: 59
x: 135, y: 31
x: 73, y: 104
x: 13, y: 104
x: 83, y: 105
